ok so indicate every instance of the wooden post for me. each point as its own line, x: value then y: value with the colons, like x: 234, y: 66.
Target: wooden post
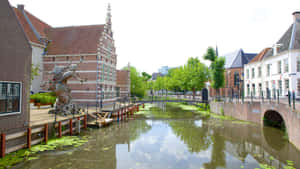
x: 3, y: 139
x: 59, y: 129
x: 118, y: 115
x: 71, y: 127
x: 46, y: 133
x: 85, y: 121
x: 29, y: 138
x: 121, y: 114
x: 79, y: 125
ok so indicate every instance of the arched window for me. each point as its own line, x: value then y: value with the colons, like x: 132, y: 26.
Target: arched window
x: 236, y: 78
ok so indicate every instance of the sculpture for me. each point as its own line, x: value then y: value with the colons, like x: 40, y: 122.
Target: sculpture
x: 58, y: 85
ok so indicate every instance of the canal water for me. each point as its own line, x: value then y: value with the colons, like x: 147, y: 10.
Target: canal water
x: 168, y: 136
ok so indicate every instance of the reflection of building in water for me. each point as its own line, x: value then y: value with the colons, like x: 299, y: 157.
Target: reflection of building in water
x: 102, y: 147
x: 239, y: 141
x: 247, y: 140
x: 161, y: 105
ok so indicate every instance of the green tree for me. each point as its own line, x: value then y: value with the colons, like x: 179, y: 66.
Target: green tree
x: 137, y: 84
x: 159, y: 84
x: 195, y: 75
x: 146, y: 76
x: 217, y: 69
x: 175, y: 80
x: 35, y: 69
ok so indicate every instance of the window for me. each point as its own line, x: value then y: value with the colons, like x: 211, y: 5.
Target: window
x: 298, y: 64
x: 102, y: 72
x: 287, y: 84
x: 67, y: 58
x: 280, y: 87
x: 247, y: 73
x: 259, y: 71
x: 267, y: 85
x: 253, y: 89
x: 279, y: 67
x: 268, y: 69
x: 248, y: 89
x: 260, y: 88
x: 236, y: 78
x: 10, y: 97
x: 286, y: 65
x: 253, y: 73
x: 298, y: 87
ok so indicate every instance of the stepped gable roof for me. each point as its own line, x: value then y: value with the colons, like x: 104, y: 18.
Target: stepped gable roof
x: 39, y: 25
x: 289, y: 40
x: 238, y: 58
x: 74, y: 39
x: 260, y: 56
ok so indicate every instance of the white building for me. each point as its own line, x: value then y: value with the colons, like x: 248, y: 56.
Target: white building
x: 35, y: 31
x: 276, y: 68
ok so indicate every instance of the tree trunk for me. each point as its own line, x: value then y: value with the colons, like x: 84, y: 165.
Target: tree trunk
x: 194, y: 93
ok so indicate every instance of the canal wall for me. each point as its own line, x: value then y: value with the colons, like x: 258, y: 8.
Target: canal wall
x: 254, y: 112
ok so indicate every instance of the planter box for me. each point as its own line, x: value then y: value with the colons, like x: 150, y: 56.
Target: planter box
x: 40, y: 104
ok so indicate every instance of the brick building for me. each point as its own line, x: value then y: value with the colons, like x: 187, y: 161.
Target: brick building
x: 91, y: 47
x: 15, y: 70
x: 123, y: 83
x: 234, y: 72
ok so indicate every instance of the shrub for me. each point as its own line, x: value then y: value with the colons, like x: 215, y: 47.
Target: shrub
x: 44, y: 98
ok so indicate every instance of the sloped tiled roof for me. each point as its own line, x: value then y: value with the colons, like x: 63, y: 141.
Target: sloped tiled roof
x: 289, y: 40
x: 260, y: 56
x: 65, y: 40
x: 238, y: 58
x: 74, y: 40
x: 39, y: 25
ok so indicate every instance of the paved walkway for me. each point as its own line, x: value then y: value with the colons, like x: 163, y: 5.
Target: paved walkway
x: 41, y: 116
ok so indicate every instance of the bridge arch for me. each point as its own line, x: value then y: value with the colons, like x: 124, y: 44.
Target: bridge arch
x: 273, y: 119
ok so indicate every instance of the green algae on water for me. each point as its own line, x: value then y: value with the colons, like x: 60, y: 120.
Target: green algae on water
x: 14, y: 158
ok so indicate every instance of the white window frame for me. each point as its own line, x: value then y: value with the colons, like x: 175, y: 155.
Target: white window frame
x: 20, y: 104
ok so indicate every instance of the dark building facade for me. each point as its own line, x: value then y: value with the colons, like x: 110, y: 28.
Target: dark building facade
x: 15, y: 70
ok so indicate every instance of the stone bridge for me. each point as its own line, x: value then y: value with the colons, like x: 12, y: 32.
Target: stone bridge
x: 281, y: 114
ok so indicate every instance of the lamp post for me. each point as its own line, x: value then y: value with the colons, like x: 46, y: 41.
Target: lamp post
x: 101, y: 98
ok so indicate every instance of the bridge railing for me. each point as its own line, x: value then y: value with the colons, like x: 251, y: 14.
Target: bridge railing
x: 268, y: 96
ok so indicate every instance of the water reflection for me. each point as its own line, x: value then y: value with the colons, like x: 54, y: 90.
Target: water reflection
x: 174, y: 143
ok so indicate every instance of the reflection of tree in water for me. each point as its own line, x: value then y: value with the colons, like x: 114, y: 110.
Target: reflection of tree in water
x: 196, y: 138
x: 218, y: 157
x: 137, y: 128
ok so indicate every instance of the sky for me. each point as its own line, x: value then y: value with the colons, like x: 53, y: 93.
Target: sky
x: 149, y: 34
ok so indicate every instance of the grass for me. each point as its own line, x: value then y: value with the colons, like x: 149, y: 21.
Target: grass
x: 189, y: 110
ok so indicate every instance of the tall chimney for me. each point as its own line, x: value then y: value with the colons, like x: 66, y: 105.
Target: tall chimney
x: 296, y: 15
x: 21, y: 7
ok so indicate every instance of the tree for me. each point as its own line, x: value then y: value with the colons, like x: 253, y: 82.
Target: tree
x: 137, y: 84
x: 217, y: 69
x: 159, y: 84
x: 35, y: 69
x: 175, y: 81
x: 146, y: 76
x: 195, y: 75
